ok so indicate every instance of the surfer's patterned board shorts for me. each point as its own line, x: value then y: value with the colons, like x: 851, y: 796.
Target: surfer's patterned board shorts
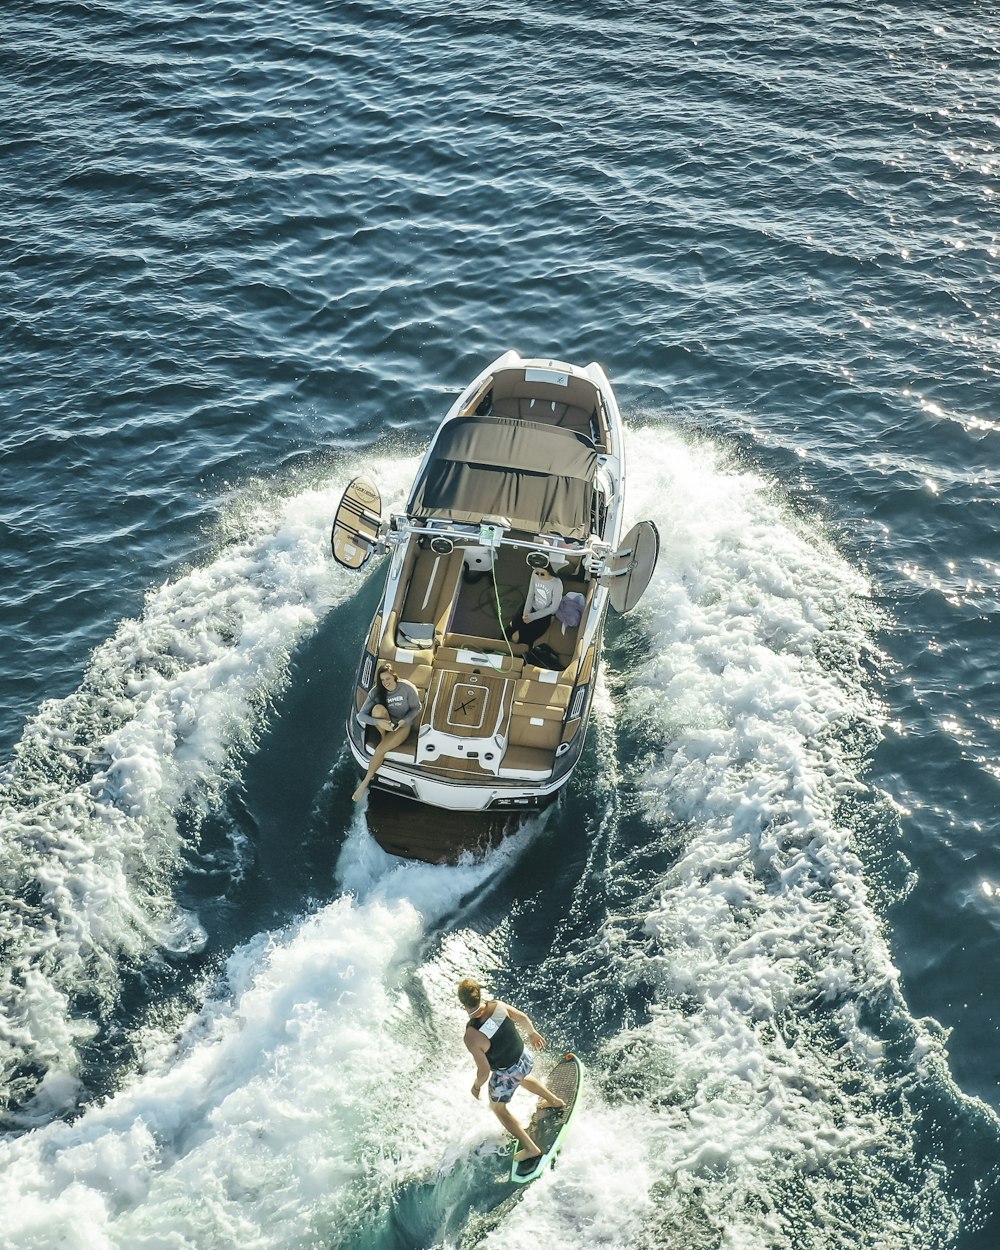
x: 505, y: 1081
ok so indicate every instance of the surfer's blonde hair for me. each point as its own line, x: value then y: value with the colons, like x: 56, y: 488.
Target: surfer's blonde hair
x: 470, y: 992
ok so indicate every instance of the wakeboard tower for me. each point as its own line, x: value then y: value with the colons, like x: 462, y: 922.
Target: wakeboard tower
x: 527, y: 469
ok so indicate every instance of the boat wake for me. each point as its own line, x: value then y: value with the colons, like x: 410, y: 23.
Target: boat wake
x: 294, y: 1105
x: 92, y: 801
x: 755, y: 1077
x: 772, y: 1080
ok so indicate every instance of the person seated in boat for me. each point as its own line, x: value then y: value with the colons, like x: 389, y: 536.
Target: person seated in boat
x: 502, y: 1059
x: 391, y: 707
x: 545, y: 592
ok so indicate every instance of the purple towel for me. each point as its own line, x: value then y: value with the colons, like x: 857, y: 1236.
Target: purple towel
x: 570, y: 609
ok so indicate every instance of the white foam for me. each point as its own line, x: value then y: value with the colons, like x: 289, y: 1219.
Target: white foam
x: 604, y: 1191
x: 753, y: 1101
x: 324, y: 1079
x: 761, y: 956
x: 88, y: 835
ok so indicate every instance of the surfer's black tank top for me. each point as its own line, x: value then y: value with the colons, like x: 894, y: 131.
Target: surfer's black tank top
x: 506, y: 1046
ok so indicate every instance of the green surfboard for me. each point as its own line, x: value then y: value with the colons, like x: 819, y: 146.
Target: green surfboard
x: 549, y: 1125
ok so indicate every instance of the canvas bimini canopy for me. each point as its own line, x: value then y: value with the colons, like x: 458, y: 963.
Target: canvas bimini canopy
x: 540, y: 477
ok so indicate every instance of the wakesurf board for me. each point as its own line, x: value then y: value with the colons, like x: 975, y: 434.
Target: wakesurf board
x: 549, y: 1125
x: 356, y: 524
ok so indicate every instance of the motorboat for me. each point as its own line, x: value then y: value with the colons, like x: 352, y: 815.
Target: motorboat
x: 524, y: 479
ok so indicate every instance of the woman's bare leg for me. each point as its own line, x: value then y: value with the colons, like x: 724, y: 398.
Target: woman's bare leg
x: 391, y: 738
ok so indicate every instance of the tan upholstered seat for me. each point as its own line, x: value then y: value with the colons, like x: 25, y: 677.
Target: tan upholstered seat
x: 430, y: 596
x: 536, y: 725
x: 550, y: 694
x: 528, y: 762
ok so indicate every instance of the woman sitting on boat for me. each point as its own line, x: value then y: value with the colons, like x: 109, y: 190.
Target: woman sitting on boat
x: 545, y: 592
x: 391, y: 707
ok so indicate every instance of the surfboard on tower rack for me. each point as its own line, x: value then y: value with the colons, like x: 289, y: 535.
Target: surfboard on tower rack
x: 356, y: 525
x: 549, y: 1125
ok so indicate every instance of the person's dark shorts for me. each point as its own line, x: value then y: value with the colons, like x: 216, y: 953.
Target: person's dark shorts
x: 505, y: 1081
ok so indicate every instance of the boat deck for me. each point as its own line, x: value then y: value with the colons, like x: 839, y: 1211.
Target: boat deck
x: 487, y: 714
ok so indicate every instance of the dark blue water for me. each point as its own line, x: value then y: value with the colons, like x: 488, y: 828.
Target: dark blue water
x: 247, y: 249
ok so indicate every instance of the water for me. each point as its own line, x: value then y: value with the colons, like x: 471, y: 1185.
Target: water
x: 249, y: 249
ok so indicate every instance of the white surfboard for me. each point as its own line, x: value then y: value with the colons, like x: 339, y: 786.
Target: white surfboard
x: 630, y: 568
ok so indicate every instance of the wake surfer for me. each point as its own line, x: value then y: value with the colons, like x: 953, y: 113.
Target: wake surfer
x: 502, y: 1059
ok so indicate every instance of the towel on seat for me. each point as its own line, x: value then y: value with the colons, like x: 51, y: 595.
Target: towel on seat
x: 570, y: 609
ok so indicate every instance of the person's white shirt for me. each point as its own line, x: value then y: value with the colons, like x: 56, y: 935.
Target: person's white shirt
x: 544, y: 596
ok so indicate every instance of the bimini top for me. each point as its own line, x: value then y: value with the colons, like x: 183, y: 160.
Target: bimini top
x: 540, y: 477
